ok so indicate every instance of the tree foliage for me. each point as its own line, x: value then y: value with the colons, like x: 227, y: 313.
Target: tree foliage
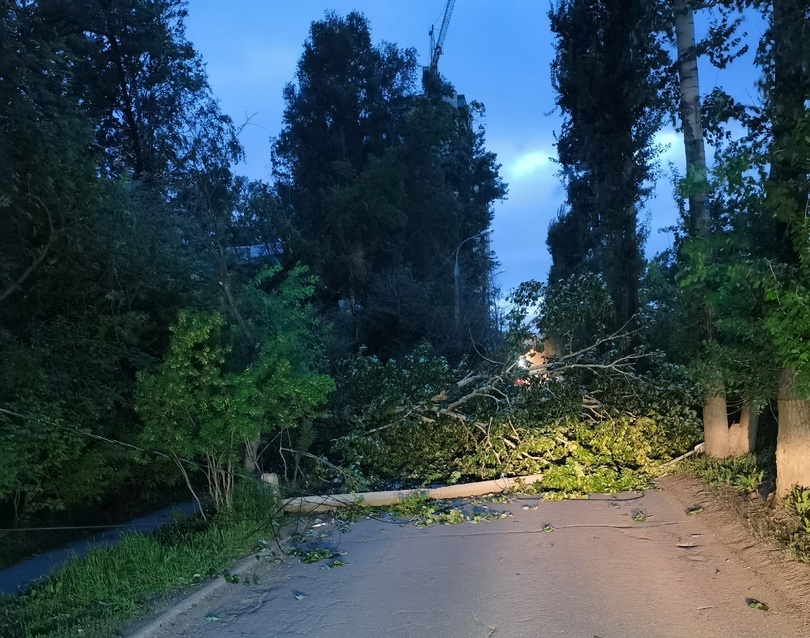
x: 117, y: 210
x: 378, y: 185
x: 609, y: 74
x: 202, y: 404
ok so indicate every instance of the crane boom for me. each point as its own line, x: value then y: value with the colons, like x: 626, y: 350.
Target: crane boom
x: 436, y: 47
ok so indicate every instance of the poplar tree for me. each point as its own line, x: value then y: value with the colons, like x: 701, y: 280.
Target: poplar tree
x: 608, y: 73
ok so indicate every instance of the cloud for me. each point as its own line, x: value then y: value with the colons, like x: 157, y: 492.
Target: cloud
x: 528, y: 165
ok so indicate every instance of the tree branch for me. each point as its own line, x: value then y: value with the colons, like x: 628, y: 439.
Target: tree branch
x: 17, y: 283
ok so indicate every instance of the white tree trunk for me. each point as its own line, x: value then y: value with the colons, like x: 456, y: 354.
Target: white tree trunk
x: 793, y: 441
x: 715, y: 427
x: 723, y: 440
x: 742, y: 436
x: 691, y: 121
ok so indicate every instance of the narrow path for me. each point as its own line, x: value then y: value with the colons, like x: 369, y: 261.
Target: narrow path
x: 24, y: 574
x: 596, y: 574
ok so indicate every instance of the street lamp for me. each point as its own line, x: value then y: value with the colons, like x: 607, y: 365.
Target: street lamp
x: 456, y: 271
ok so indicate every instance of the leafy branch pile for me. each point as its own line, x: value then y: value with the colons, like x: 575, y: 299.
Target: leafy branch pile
x: 585, y: 419
x: 422, y: 511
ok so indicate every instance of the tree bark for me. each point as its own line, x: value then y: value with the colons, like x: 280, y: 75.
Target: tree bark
x: 691, y: 121
x: 252, y: 456
x: 743, y: 434
x: 724, y: 440
x: 793, y: 441
x: 715, y: 427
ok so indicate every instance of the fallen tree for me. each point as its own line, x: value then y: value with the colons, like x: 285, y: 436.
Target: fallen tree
x: 586, y: 419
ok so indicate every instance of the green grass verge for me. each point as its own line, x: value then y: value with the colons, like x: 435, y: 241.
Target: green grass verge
x: 744, y: 473
x: 99, y: 594
x: 17, y: 546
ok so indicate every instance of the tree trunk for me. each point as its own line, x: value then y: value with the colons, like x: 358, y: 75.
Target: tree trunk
x: 715, y: 427
x: 690, y: 118
x: 793, y: 441
x: 252, y: 456
x: 724, y: 440
x: 743, y: 434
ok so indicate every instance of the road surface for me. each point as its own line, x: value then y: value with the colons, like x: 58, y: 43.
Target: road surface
x: 573, y: 569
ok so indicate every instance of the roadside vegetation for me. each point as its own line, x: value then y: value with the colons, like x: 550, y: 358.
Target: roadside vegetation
x: 799, y: 540
x: 166, y: 323
x: 741, y: 472
x: 787, y: 524
x: 102, y: 592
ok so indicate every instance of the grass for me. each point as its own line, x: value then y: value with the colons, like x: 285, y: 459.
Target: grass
x: 17, y: 546
x: 798, y: 502
x: 99, y: 594
x: 743, y: 473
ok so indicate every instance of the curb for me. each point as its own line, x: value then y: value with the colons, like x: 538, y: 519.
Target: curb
x: 189, y: 602
x: 309, y: 504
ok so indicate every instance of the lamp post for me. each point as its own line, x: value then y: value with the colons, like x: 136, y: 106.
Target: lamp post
x: 457, y: 272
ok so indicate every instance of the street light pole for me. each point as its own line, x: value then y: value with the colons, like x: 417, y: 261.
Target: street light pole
x: 457, y: 272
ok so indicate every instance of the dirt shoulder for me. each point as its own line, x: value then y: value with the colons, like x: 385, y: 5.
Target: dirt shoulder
x: 746, y: 526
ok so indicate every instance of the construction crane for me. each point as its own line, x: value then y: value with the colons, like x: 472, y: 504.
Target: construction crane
x: 437, y: 43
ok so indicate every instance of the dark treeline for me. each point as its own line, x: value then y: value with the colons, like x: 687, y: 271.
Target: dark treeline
x: 727, y: 304
x: 152, y: 296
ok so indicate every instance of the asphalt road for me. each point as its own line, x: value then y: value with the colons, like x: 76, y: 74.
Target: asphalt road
x: 574, y: 569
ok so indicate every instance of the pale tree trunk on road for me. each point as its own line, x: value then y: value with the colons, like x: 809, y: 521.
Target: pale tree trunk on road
x: 793, y: 442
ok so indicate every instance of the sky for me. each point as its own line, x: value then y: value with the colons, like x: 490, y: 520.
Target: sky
x: 498, y: 53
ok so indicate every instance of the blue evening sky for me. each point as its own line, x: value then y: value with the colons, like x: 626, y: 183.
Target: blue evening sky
x: 498, y: 53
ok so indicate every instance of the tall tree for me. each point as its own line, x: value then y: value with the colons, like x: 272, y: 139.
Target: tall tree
x: 608, y: 73
x: 378, y: 186
x: 785, y: 58
x: 715, y: 418
x: 139, y: 77
x: 691, y: 120
x: 342, y: 109
x: 101, y: 230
